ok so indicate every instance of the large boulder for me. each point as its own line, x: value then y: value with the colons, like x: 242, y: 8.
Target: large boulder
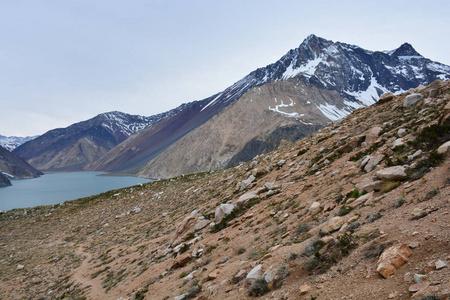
x: 244, y: 199
x: 186, y: 227
x: 223, y: 210
x: 392, y: 259
x: 396, y: 173
x: 386, y: 98
x: 444, y: 148
x: 412, y: 99
x: 373, y: 162
x: 372, y: 134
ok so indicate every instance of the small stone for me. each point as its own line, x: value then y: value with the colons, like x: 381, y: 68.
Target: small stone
x: 401, y: 132
x: 419, y: 278
x: 20, y: 267
x: 440, y: 264
x: 239, y: 276
x: 413, y: 245
x: 415, y: 233
x: 214, y: 274
x: 304, y: 289
x: 281, y: 162
x: 419, y: 286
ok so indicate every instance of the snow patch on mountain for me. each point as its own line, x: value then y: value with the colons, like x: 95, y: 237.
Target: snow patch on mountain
x: 12, y: 142
x: 291, y: 104
x: 332, y: 112
x: 370, y: 95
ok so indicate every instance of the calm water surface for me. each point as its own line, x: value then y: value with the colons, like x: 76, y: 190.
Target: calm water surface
x: 57, y: 188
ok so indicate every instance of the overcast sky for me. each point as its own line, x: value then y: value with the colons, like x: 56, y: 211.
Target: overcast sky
x: 64, y: 61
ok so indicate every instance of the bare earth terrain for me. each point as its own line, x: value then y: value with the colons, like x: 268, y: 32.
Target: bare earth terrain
x: 308, y: 221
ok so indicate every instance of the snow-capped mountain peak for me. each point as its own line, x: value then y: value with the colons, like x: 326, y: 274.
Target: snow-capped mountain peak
x: 357, y: 74
x: 12, y: 142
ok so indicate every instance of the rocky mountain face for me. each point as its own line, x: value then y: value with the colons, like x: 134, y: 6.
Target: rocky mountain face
x: 12, y: 142
x: 257, y: 123
x: 13, y: 167
x: 71, y: 148
x: 318, y: 82
x: 357, y: 210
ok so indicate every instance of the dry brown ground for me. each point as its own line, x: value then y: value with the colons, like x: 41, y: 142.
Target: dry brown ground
x: 102, y: 247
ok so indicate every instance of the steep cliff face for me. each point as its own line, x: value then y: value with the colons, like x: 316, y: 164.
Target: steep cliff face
x: 252, y: 125
x: 4, y: 180
x: 13, y: 166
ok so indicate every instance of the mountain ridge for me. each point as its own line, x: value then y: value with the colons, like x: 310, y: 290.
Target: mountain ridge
x: 359, y: 76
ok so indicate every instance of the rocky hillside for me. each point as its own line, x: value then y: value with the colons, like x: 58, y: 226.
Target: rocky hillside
x: 13, y: 167
x: 71, y: 148
x: 328, y: 79
x: 357, y: 210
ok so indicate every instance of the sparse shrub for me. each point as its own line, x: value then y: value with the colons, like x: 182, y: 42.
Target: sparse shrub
x: 399, y: 202
x: 302, y: 228
x: 353, y: 194
x: 352, y: 226
x: 343, y: 210
x: 389, y: 186
x: 375, y: 217
x: 430, y: 194
x: 293, y: 256
x: 241, y: 250
x: 140, y: 295
x: 258, y: 288
x: 302, y: 151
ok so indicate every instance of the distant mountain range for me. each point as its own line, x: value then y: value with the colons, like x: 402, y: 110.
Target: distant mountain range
x: 71, y: 148
x: 318, y: 82
x: 12, y: 142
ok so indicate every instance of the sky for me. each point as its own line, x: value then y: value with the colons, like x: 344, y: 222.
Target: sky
x: 65, y: 61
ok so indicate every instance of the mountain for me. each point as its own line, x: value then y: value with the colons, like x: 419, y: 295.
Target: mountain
x: 71, y: 148
x: 13, y: 167
x: 349, y: 76
x: 357, y: 210
x: 12, y: 142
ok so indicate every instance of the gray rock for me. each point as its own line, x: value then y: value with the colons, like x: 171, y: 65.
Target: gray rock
x: 254, y: 273
x: 372, y: 134
x: 440, y: 264
x: 401, y: 132
x: 245, y: 183
x: 413, y: 245
x: 412, y: 99
x: 281, y: 162
x: 222, y: 211
x: 20, y: 267
x: 373, y: 162
x: 444, y: 148
x: 398, y: 143
x: 396, y: 173
x: 244, y: 199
